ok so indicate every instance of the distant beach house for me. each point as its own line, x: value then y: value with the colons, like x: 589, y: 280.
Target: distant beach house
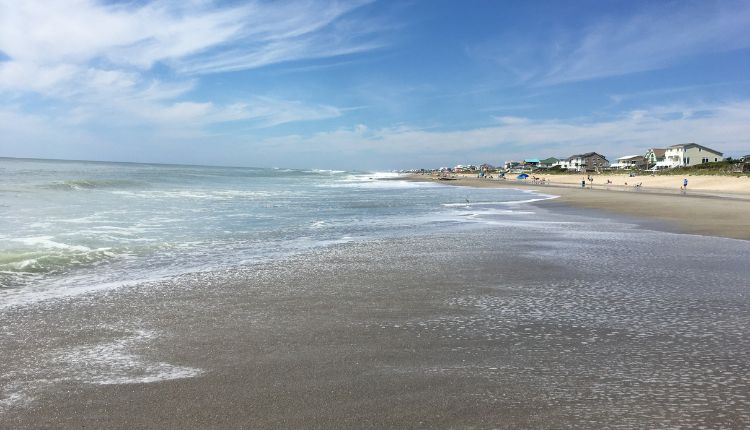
x: 630, y: 162
x: 549, y: 162
x: 653, y: 156
x: 511, y: 164
x: 689, y: 154
x: 584, y: 162
x: 464, y: 168
x: 531, y: 162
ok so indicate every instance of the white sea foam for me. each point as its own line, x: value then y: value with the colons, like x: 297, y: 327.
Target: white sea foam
x: 195, y: 194
x: 326, y: 172
x: 380, y: 184
x: 48, y: 243
x: 115, y: 362
x: 110, y: 362
x: 14, y: 397
x: 382, y: 180
x: 82, y: 220
x: 72, y: 286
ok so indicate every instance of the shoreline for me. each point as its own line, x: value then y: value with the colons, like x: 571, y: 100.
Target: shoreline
x: 696, y: 212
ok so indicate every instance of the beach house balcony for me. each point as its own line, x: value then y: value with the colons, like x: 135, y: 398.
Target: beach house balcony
x: 630, y: 162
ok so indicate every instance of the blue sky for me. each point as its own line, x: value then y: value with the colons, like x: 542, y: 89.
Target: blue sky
x: 370, y: 84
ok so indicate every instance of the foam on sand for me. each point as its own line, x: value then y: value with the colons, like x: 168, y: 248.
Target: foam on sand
x: 111, y: 362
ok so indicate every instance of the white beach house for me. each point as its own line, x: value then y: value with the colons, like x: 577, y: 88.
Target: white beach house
x: 689, y: 154
x: 630, y: 162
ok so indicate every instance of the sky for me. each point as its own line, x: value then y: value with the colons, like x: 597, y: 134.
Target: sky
x: 366, y: 84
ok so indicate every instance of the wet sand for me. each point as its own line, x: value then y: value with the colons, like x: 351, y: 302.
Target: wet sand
x: 703, y: 212
x: 461, y: 330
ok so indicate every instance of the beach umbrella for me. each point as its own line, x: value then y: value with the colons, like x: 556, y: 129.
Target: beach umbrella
x: 522, y: 176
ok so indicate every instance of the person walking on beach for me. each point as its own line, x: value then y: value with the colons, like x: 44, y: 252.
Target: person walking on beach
x: 683, y: 188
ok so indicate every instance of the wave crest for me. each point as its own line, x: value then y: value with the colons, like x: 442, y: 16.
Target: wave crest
x: 91, y: 184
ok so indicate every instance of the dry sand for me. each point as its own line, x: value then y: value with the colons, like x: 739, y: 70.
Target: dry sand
x: 723, y: 185
x: 713, y: 206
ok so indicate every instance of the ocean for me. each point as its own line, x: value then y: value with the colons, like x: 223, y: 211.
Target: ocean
x: 68, y: 227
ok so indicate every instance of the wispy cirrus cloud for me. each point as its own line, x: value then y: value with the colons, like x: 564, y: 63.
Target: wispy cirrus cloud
x: 181, y: 34
x: 262, y: 111
x: 77, y: 31
x: 96, y: 60
x: 289, y: 32
x: 659, y: 35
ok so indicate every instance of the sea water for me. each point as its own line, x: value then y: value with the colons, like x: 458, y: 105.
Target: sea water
x: 68, y: 227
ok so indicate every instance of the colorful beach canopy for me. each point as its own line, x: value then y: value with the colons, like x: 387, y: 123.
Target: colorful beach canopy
x: 522, y: 176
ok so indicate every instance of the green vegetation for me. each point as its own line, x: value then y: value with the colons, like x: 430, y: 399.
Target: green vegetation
x: 555, y: 170
x: 720, y: 168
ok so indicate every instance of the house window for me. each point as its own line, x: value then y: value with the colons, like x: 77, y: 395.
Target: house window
x: 704, y: 160
x: 716, y: 159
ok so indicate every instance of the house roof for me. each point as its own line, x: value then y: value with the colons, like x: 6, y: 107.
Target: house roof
x: 586, y: 155
x: 629, y: 157
x: 531, y: 160
x: 549, y: 160
x: 658, y: 152
x: 695, y: 145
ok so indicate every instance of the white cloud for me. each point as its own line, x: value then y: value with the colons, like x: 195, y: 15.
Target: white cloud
x: 262, y: 111
x: 94, y: 60
x: 723, y: 126
x: 661, y: 35
x: 76, y: 31
x: 511, y: 120
x: 181, y: 34
x: 658, y: 35
x: 18, y: 76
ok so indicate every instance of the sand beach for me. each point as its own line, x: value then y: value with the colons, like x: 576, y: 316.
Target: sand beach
x: 712, y: 205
